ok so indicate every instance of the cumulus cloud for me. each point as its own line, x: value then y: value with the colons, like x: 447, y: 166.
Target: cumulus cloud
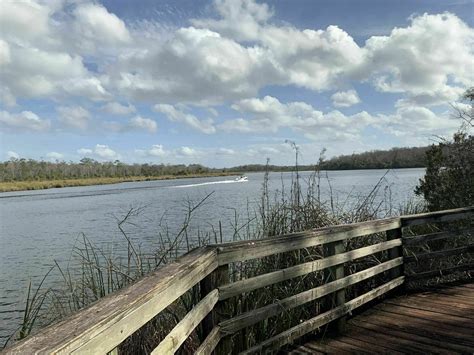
x: 137, y: 123
x: 175, y: 115
x: 142, y: 123
x: 187, y: 151
x: 54, y: 156
x: 23, y: 121
x: 241, y: 20
x: 13, y: 155
x: 269, y: 114
x: 230, y: 56
x: 85, y: 151
x: 116, y: 108
x: 94, y: 25
x: 431, y: 60
x: 345, y: 98
x: 74, y: 116
x: 101, y: 151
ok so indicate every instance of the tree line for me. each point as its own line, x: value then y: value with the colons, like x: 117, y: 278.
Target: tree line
x: 31, y: 170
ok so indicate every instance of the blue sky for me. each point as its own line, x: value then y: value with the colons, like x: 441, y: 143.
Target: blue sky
x: 228, y: 82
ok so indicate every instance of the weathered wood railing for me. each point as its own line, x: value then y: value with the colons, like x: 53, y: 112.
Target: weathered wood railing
x: 102, y: 327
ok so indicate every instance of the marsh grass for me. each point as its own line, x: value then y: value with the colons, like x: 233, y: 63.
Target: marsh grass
x: 95, y: 272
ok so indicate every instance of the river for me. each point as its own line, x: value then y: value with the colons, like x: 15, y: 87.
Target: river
x: 38, y: 227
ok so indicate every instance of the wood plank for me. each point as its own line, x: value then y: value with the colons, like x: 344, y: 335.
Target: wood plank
x: 440, y: 301
x: 432, y: 316
x: 414, y: 323
x: 431, y: 306
x: 368, y: 342
x: 258, y: 248
x: 254, y: 316
x: 440, y: 253
x: 454, y: 291
x: 185, y: 327
x: 398, y: 340
x: 419, y: 326
x: 105, y: 324
x: 316, y: 322
x: 210, y: 343
x: 426, y: 238
x: 372, y: 323
x: 323, y: 347
x: 270, y: 278
x: 437, y: 217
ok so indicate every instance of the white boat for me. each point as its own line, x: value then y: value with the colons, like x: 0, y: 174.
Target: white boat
x: 242, y: 178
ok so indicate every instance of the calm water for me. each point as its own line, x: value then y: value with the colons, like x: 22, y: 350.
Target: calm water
x: 38, y: 227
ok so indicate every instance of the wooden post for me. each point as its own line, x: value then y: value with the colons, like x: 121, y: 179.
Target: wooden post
x: 221, y: 310
x: 205, y: 286
x: 395, y: 252
x: 335, y: 273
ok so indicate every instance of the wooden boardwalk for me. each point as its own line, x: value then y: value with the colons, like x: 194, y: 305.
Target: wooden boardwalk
x: 440, y: 321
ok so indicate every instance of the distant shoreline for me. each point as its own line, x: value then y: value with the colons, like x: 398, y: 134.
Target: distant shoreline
x: 12, y: 186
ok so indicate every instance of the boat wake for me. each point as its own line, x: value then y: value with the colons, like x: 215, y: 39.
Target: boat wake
x: 209, y: 183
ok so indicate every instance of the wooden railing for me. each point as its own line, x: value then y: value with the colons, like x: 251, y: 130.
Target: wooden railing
x: 102, y: 327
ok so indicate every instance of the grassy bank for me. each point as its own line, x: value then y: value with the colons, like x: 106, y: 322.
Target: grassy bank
x: 49, y: 184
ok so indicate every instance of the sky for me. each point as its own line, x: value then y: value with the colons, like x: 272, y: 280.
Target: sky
x: 229, y: 82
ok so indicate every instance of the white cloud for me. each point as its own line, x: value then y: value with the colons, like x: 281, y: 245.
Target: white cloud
x: 225, y: 151
x: 241, y: 20
x: 174, y: 115
x: 431, y: 60
x: 228, y: 57
x: 94, y: 25
x: 187, y: 151
x: 100, y: 151
x: 418, y: 122
x: 345, y: 98
x: 54, y: 156
x: 269, y: 114
x: 103, y: 151
x: 74, y: 116
x: 85, y: 151
x: 23, y: 121
x: 146, y: 124
x: 13, y: 155
x: 116, y: 108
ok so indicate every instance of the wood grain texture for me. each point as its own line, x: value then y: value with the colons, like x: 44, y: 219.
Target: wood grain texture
x: 437, y: 217
x: 258, y: 248
x: 310, y: 325
x: 171, y: 343
x: 106, y: 323
x: 210, y: 343
x: 246, y: 319
x: 270, y: 278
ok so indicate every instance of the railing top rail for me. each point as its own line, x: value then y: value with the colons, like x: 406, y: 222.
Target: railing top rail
x: 438, y: 216
x: 258, y: 248
x: 102, y: 326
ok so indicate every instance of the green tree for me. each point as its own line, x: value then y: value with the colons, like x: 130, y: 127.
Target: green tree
x: 449, y: 179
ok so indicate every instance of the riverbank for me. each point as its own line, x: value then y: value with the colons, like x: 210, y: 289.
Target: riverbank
x: 50, y: 184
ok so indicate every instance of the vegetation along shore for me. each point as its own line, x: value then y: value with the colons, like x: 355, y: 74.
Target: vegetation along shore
x: 29, y: 174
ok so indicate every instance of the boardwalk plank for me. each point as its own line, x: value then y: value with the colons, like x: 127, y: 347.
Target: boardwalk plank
x: 439, y: 321
x: 425, y: 341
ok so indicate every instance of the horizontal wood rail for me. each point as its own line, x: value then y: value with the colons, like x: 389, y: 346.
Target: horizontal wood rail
x: 103, y: 326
